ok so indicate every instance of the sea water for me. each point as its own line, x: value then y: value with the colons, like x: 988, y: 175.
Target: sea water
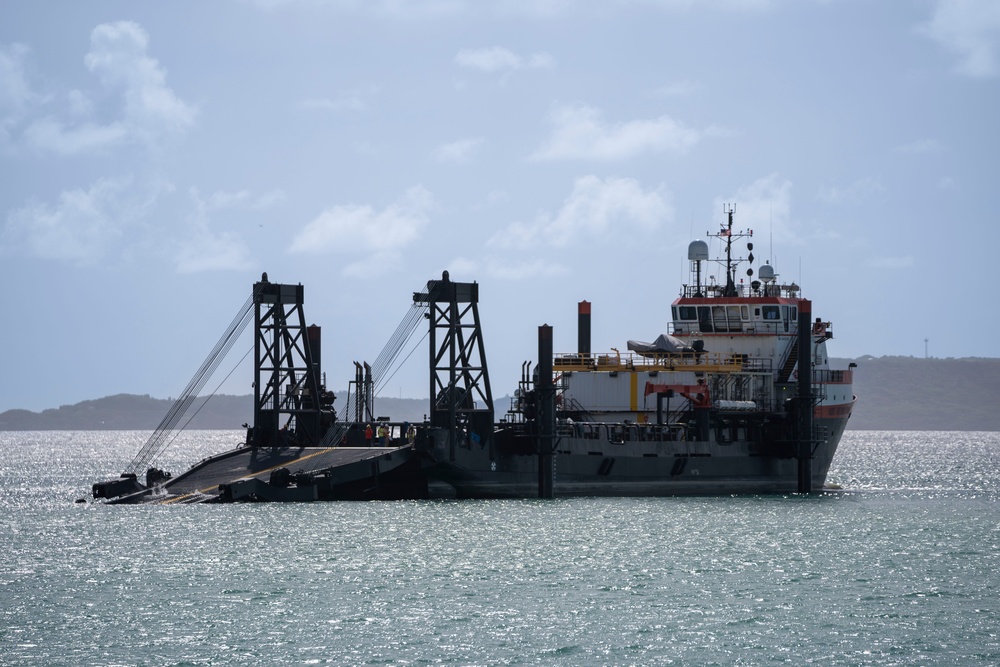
x: 901, y: 567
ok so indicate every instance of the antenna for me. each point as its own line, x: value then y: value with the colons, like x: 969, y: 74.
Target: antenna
x: 727, y: 235
x: 770, y: 230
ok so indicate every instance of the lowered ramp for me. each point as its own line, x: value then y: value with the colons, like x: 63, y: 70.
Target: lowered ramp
x: 293, y: 474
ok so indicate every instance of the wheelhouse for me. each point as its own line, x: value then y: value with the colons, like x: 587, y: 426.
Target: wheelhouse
x: 752, y: 315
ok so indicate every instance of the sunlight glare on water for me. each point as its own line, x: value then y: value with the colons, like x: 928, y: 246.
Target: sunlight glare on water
x: 899, y: 568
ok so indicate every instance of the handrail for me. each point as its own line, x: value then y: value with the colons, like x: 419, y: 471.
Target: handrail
x: 616, y: 361
x: 715, y: 291
x: 825, y: 376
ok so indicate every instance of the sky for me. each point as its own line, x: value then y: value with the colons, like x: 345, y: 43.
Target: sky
x: 157, y: 157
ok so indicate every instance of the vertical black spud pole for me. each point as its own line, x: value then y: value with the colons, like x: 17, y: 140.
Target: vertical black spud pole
x: 546, y: 394
x: 805, y: 402
x: 583, y: 330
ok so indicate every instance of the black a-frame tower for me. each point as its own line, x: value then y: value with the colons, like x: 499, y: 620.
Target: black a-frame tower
x: 291, y: 407
x: 461, y: 398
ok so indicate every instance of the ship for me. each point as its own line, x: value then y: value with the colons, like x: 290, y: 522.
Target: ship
x: 736, y: 396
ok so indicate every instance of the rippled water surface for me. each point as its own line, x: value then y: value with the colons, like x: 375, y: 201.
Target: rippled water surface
x: 901, y: 568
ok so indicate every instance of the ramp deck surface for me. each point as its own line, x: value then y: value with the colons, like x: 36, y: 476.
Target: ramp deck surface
x: 203, y: 480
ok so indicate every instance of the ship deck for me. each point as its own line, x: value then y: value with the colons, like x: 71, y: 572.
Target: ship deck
x: 201, y: 483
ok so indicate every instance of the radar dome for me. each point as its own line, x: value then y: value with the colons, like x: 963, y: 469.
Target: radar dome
x: 697, y: 250
x: 766, y: 273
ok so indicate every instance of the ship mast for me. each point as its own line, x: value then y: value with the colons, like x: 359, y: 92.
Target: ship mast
x: 728, y: 235
x: 730, y: 271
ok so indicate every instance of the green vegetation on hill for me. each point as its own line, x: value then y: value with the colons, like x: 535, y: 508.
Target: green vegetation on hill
x: 894, y: 393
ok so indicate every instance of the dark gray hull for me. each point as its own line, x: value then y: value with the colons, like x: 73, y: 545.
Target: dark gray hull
x: 591, y: 467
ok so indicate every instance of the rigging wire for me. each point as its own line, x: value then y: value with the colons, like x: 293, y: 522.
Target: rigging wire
x: 155, y: 445
x: 384, y: 362
x: 399, y: 341
x: 211, y: 395
x: 405, y: 359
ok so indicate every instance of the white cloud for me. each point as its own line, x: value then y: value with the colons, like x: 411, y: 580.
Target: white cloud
x: 491, y: 266
x: 497, y: 59
x: 458, y: 151
x: 203, y: 249
x: 111, y: 220
x: 374, y: 237
x: 971, y: 29
x: 82, y: 227
x: 763, y: 206
x: 595, y: 210
x: 15, y: 93
x: 855, y: 192
x: 118, y: 56
x: 79, y: 103
x: 268, y: 199
x: 150, y: 112
x: 52, y: 135
x: 578, y: 132
x: 243, y: 198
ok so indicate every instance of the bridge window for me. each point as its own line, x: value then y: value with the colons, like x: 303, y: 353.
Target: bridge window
x: 688, y: 313
x: 705, y: 318
x: 719, y: 315
x: 735, y: 317
x: 772, y: 313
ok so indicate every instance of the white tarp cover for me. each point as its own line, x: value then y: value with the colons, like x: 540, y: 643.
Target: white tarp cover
x: 664, y: 344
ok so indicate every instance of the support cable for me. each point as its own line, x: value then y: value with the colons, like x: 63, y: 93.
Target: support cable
x: 154, y: 446
x: 383, y: 363
x: 399, y: 341
x: 401, y: 363
x: 177, y: 432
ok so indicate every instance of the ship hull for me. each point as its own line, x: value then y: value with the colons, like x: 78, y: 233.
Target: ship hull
x: 639, y: 468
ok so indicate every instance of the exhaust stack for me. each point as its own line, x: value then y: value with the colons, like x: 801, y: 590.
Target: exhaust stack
x: 583, y: 329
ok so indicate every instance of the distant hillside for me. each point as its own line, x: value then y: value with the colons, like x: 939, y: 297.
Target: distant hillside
x: 894, y: 393
x: 907, y: 393
x: 131, y: 412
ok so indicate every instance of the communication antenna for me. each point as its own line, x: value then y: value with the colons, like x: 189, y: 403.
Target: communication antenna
x: 770, y: 230
x: 727, y: 235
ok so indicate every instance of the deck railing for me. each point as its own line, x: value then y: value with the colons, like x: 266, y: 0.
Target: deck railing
x: 833, y: 377
x: 742, y: 290
x: 627, y: 362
